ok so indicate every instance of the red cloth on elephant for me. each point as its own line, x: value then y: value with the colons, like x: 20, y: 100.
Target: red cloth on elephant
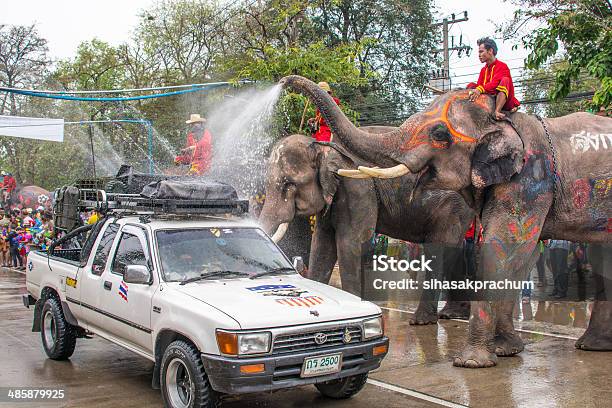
x: 324, y: 132
x: 9, y: 183
x: 200, y: 154
x: 496, y: 78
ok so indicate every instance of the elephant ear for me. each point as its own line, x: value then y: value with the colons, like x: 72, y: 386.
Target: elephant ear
x: 328, y: 174
x: 498, y: 156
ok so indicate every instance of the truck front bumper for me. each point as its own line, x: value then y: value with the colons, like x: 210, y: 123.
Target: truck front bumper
x: 283, y: 370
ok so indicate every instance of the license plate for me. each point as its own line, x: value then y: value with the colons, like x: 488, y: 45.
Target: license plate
x: 315, y: 366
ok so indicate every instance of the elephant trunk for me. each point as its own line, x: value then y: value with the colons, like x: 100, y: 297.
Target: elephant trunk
x: 376, y: 148
x: 275, y: 220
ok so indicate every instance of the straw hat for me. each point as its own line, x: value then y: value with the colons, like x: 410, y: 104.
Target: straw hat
x: 194, y: 118
x: 324, y: 86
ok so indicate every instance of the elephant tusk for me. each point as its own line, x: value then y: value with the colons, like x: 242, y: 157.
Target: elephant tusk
x: 280, y: 232
x: 352, y: 174
x: 391, y: 172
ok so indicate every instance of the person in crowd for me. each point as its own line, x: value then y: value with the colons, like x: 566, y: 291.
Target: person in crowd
x: 14, y: 238
x: 323, y: 132
x: 4, y: 248
x: 8, y: 185
x: 198, y: 151
x: 559, y: 251
x: 94, y: 216
x: 494, y: 79
x: 541, y: 263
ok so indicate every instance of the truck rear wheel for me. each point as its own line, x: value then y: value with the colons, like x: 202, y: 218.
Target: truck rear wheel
x: 58, y: 336
x: 183, y: 381
x: 343, y: 387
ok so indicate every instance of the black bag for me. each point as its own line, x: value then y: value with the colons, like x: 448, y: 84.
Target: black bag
x: 189, y: 190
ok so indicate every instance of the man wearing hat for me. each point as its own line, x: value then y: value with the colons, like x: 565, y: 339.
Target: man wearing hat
x: 198, y: 153
x: 323, y: 133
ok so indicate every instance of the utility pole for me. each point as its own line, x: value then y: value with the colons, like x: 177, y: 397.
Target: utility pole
x: 442, y: 77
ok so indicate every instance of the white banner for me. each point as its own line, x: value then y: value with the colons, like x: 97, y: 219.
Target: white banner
x: 32, y: 128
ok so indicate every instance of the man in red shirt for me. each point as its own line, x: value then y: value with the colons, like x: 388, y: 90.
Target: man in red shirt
x: 198, y: 153
x: 494, y: 79
x: 323, y: 134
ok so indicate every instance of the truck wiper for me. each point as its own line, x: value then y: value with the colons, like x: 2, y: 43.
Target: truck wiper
x: 212, y: 274
x: 273, y: 271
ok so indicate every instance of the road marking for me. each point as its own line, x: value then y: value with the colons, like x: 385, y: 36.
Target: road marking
x: 559, y: 336
x: 415, y: 394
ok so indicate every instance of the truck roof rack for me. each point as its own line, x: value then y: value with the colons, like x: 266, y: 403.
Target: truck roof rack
x: 90, y: 199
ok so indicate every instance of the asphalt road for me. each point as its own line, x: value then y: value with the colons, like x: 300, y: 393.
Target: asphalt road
x: 416, y: 373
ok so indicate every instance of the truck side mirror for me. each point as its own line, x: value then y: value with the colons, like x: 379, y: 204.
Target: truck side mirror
x: 298, y: 263
x: 138, y: 274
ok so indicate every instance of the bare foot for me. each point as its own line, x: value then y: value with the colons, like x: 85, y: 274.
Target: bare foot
x: 499, y: 116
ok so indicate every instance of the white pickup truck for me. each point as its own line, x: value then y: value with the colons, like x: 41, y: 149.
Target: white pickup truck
x: 212, y: 301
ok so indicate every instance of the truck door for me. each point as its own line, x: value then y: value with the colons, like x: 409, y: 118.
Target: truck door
x: 128, y: 306
x: 90, y: 278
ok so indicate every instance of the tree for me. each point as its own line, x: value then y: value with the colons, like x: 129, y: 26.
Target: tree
x: 537, y: 85
x: 579, y: 31
x: 23, y: 61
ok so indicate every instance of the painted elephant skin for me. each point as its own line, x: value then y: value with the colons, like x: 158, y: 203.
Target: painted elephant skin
x: 302, y: 180
x: 529, y: 178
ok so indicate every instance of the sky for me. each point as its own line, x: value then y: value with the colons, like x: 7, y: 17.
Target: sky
x: 66, y: 23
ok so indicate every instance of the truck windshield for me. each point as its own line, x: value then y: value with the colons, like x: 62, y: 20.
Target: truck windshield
x: 189, y: 253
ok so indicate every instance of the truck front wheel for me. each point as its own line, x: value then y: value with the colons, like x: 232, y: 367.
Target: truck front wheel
x: 343, y: 387
x: 183, y: 381
x: 58, y: 336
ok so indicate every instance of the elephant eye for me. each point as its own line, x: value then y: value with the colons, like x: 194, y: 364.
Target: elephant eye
x: 440, y: 134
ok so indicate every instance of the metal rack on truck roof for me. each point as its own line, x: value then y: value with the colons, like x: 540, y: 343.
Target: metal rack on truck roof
x: 90, y: 199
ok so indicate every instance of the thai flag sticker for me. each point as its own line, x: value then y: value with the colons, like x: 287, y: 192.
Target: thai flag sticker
x: 123, y: 291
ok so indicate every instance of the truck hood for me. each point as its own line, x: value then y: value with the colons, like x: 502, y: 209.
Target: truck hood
x: 269, y: 302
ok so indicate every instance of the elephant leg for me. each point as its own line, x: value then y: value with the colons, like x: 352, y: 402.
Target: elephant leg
x: 323, y: 253
x: 512, y: 227
x: 479, y: 350
x: 427, y: 310
x: 507, y: 341
x: 598, y: 335
x: 349, y: 250
x: 457, y: 306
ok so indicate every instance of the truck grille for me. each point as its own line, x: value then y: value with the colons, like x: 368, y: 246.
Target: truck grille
x: 305, y: 341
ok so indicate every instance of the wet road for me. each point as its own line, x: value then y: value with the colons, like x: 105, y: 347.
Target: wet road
x: 416, y: 373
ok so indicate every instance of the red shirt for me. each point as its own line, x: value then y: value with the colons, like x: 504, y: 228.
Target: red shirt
x: 9, y: 183
x: 200, y: 156
x: 497, y: 78
x: 324, y: 132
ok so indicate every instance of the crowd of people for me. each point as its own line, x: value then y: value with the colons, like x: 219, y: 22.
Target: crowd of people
x: 22, y: 231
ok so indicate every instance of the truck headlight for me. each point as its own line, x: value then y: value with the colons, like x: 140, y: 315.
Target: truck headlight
x: 243, y: 343
x: 372, y: 328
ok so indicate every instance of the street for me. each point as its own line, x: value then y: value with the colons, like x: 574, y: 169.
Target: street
x: 418, y: 372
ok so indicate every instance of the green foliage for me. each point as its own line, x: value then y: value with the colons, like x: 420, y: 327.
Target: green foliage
x: 537, y: 84
x: 579, y: 31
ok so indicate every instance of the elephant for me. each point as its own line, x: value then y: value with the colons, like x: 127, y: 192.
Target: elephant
x: 528, y: 178
x: 302, y: 180
x: 28, y: 197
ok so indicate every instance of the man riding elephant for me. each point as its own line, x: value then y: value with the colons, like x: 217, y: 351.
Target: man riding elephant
x: 529, y: 178
x: 302, y: 180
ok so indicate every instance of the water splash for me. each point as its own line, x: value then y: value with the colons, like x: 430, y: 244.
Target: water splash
x: 242, y: 134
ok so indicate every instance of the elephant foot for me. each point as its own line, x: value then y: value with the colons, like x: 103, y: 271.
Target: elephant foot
x: 455, y: 310
x: 595, y: 340
x: 475, y: 357
x: 508, y: 344
x: 423, y: 317
x: 598, y: 336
